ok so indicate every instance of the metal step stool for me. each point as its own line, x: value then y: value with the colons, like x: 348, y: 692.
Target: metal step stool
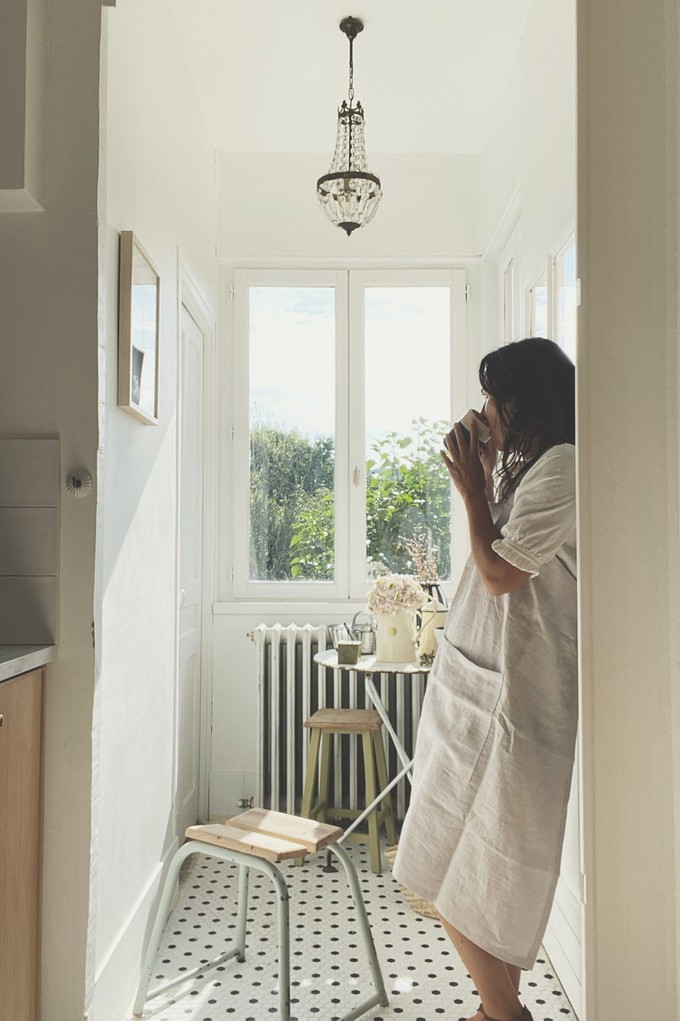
x: 259, y: 839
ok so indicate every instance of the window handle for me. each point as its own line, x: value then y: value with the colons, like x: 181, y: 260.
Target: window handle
x: 356, y: 475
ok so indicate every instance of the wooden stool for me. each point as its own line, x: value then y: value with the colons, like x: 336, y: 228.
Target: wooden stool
x: 258, y: 840
x: 367, y: 722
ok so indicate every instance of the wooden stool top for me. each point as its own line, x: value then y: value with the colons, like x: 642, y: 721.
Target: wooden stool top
x: 350, y: 720
x: 313, y: 835
x: 274, y: 836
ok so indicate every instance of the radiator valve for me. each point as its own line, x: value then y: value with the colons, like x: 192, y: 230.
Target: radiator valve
x: 246, y: 802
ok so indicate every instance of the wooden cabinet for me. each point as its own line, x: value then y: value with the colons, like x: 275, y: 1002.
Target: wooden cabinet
x: 20, y: 843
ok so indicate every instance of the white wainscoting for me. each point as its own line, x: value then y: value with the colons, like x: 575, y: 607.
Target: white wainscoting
x: 564, y: 937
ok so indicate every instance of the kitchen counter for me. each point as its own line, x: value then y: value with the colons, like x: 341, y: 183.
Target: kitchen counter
x: 19, y: 659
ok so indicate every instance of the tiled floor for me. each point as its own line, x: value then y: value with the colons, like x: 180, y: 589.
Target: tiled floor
x: 423, y: 975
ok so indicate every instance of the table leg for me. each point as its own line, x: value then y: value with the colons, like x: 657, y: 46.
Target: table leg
x: 391, y: 785
x: 378, y: 704
x: 406, y: 762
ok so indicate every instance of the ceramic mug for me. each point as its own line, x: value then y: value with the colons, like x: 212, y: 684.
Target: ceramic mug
x: 483, y: 430
x: 348, y: 653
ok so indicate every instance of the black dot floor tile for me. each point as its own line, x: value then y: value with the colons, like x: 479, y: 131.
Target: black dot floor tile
x: 424, y: 979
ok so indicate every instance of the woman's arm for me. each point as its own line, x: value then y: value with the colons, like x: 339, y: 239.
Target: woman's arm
x: 498, y: 575
x: 470, y: 479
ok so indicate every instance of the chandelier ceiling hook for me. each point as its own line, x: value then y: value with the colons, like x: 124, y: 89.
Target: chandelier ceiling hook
x: 351, y: 27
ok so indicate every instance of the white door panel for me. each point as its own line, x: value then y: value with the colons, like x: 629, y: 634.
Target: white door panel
x: 191, y: 560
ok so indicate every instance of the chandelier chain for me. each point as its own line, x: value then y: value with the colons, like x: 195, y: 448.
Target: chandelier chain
x: 351, y: 101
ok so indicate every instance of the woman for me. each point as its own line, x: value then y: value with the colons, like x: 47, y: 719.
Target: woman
x: 494, y: 756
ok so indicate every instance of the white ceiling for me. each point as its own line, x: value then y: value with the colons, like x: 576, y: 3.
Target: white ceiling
x: 429, y: 74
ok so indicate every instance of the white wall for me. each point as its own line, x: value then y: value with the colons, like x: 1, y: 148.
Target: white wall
x: 48, y: 387
x: 500, y: 171
x: 548, y: 132
x: 269, y: 208
x: 159, y: 181
x: 528, y: 169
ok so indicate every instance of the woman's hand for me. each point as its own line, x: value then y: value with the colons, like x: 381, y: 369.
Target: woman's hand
x: 464, y: 462
x: 468, y: 466
x: 488, y: 454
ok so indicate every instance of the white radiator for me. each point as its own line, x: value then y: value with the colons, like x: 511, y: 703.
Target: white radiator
x: 290, y: 687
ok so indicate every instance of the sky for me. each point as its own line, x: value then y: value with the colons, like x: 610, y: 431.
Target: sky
x: 406, y: 354
x: 292, y: 362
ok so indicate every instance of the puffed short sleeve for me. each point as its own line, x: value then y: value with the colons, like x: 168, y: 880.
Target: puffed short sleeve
x: 543, y: 516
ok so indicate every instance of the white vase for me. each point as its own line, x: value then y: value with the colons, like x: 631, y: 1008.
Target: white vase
x: 396, y: 637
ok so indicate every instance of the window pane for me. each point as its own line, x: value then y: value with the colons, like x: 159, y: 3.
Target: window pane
x: 565, y: 285
x: 538, y: 325
x: 407, y: 359
x: 292, y: 433
x: 509, y: 302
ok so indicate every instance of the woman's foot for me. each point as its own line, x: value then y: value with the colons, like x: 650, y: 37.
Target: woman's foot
x: 482, y: 1016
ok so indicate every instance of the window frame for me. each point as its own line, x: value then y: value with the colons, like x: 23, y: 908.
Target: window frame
x: 243, y: 585
x: 350, y: 494
x: 550, y: 274
x: 567, y: 241
x: 508, y: 269
x: 543, y: 279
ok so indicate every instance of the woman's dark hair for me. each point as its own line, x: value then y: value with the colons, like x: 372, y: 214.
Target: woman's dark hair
x: 537, y: 378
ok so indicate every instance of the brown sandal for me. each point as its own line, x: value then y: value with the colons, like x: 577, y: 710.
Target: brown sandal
x: 524, y: 1016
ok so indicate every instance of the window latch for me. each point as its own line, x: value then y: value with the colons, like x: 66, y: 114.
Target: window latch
x: 356, y: 475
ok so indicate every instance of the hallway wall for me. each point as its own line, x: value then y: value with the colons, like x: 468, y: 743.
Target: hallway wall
x: 48, y: 385
x: 158, y: 180
x: 528, y: 168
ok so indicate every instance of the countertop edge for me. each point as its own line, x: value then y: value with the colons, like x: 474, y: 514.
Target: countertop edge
x: 20, y: 659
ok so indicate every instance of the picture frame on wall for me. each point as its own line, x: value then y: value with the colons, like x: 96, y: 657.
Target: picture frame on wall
x: 138, y: 331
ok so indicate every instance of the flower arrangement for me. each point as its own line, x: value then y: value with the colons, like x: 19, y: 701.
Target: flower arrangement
x: 423, y: 556
x: 394, y: 592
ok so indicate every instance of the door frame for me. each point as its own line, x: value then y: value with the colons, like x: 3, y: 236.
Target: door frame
x: 627, y: 261
x: 189, y: 296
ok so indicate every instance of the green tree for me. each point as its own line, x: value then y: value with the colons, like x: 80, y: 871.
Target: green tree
x: 286, y: 471
x: 312, y: 546
x: 292, y: 501
x: 407, y: 492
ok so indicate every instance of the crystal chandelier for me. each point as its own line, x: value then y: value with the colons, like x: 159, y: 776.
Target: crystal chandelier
x: 349, y: 194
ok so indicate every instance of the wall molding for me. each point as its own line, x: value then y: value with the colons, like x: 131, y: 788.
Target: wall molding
x: 124, y: 956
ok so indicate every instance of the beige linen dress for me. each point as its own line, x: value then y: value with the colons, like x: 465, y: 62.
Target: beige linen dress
x: 483, y: 835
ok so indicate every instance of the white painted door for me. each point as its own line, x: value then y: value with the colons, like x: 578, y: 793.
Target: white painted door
x: 191, y: 573
x: 565, y: 933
